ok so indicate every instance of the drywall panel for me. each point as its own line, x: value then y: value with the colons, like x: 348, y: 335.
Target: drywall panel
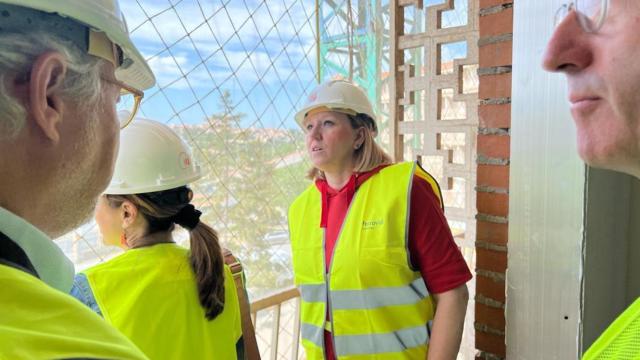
x: 547, y: 195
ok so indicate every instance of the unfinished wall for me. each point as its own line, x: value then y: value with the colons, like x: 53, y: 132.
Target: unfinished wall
x: 546, y: 201
x: 494, y: 112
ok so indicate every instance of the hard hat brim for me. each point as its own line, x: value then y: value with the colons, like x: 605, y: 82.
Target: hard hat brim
x: 115, y: 189
x: 300, y: 115
x: 137, y: 74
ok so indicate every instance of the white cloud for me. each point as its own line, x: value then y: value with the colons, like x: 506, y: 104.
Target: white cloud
x: 248, y: 69
x: 190, y: 19
x: 249, y: 52
x: 234, y: 62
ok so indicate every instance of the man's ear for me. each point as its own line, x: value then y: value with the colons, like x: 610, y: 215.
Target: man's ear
x: 45, y: 89
x: 128, y: 213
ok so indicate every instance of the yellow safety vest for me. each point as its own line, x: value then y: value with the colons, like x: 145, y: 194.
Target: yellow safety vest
x: 621, y: 340
x: 39, y: 322
x: 378, y: 305
x: 150, y: 295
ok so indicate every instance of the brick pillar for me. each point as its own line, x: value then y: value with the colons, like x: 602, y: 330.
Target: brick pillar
x: 494, y: 113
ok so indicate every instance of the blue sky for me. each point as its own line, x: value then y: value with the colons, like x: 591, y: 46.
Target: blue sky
x: 231, y: 45
x: 199, y: 48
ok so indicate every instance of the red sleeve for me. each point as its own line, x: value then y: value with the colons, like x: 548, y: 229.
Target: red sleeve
x: 431, y: 246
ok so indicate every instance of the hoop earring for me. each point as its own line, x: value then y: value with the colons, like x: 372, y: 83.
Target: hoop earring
x: 123, y: 240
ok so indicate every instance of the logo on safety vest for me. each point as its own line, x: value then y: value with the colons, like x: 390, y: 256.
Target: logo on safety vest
x: 372, y: 224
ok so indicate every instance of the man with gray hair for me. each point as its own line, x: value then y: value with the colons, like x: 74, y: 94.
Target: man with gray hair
x: 596, y: 44
x: 64, y: 65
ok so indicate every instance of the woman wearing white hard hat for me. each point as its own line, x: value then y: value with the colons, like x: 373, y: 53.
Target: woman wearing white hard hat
x: 379, y: 273
x: 173, y: 303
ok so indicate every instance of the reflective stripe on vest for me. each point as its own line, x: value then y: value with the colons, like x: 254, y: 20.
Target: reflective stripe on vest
x: 621, y: 340
x: 378, y: 304
x: 150, y: 295
x: 39, y: 322
x: 368, y: 298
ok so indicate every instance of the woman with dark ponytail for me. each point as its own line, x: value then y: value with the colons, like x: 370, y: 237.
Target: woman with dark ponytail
x: 173, y: 303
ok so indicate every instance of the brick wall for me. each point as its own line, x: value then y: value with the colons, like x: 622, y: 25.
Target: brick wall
x: 494, y: 112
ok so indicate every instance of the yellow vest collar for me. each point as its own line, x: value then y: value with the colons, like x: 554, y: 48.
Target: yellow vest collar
x: 53, y: 267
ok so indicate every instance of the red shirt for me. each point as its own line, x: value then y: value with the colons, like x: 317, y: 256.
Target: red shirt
x: 431, y: 246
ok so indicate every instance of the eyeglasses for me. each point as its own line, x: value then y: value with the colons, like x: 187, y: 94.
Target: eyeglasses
x: 591, y: 13
x: 128, y: 101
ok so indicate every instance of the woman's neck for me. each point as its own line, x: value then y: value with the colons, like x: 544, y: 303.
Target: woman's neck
x: 338, y: 179
x: 160, y: 237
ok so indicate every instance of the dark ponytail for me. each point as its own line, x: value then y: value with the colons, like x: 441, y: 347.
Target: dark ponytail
x: 162, y: 210
x: 208, y: 265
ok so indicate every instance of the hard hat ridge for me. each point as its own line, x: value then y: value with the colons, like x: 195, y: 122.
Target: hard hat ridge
x: 152, y: 158
x: 338, y: 95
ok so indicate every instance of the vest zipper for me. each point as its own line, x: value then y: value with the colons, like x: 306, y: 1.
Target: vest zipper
x: 326, y: 285
x: 327, y: 273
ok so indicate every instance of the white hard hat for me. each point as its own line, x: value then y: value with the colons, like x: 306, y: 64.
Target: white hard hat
x: 102, y: 16
x: 152, y: 157
x: 337, y: 94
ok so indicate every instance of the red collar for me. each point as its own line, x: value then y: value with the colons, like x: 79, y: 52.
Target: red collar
x: 350, y: 187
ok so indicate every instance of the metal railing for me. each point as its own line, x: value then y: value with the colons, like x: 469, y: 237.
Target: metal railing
x: 273, y: 307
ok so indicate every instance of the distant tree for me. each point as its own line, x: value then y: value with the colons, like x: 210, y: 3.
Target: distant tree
x: 245, y: 191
